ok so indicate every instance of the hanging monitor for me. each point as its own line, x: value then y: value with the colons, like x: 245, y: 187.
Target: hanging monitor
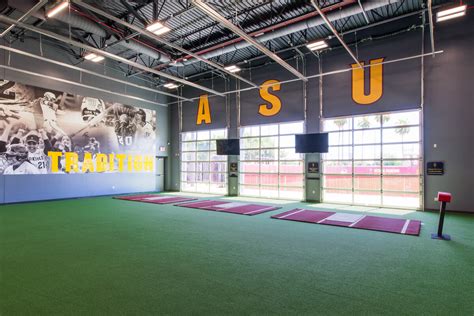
x: 311, y: 143
x: 228, y: 147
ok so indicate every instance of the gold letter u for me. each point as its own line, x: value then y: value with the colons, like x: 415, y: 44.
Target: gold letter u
x: 376, y: 82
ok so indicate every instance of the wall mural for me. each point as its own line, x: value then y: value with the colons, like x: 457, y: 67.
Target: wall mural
x: 45, y: 131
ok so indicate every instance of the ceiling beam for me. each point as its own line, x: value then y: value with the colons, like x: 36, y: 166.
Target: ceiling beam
x: 78, y: 84
x: 106, y: 54
x: 159, y: 39
x: 334, y: 31
x: 363, y: 12
x: 135, y: 13
x: 25, y: 16
x: 430, y: 16
x: 222, y: 20
x: 93, y: 73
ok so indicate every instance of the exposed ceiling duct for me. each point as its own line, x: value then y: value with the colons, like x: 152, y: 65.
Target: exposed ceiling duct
x: 297, y: 27
x: 7, y: 20
x: 89, y: 26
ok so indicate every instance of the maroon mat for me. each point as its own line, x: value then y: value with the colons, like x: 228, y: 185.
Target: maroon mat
x: 360, y: 221
x: 155, y: 198
x: 200, y: 204
x: 133, y: 197
x: 166, y: 200
x: 230, y: 207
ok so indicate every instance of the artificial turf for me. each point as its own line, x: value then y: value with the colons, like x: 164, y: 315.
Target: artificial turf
x: 98, y: 256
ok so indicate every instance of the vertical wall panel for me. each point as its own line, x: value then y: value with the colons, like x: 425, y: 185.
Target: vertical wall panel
x: 449, y: 113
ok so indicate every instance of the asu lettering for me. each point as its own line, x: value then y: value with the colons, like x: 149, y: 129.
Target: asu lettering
x: 376, y: 82
x: 275, y: 102
x: 204, y: 112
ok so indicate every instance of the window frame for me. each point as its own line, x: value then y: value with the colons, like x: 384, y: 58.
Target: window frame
x: 278, y: 174
x: 195, y: 161
x: 380, y: 160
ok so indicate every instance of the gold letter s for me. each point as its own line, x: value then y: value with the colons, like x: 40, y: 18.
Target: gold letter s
x: 272, y: 99
x: 376, y: 82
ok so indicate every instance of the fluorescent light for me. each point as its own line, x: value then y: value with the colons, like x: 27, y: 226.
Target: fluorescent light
x: 94, y: 57
x: 154, y: 26
x: 97, y: 59
x: 90, y: 56
x: 317, y: 45
x: 170, y: 85
x: 57, y: 9
x: 158, y: 28
x: 451, y: 16
x: 451, y: 13
x: 162, y: 30
x: 232, y: 68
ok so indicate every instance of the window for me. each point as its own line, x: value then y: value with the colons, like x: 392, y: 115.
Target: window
x: 202, y: 170
x: 374, y: 160
x: 269, y: 166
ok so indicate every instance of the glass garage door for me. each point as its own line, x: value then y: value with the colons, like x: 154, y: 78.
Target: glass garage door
x: 269, y: 166
x: 374, y: 160
x: 202, y: 170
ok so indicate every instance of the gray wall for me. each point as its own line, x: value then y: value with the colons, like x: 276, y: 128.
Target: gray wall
x: 55, y: 186
x: 448, y: 110
x: 449, y: 113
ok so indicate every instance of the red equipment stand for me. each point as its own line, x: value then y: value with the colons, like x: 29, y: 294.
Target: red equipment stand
x: 443, y: 198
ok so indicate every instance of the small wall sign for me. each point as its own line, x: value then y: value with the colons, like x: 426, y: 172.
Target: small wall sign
x: 435, y: 168
x: 233, y: 167
x: 313, y: 167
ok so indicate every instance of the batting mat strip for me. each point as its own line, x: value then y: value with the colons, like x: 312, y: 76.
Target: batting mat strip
x: 155, y: 199
x: 360, y: 221
x: 230, y: 207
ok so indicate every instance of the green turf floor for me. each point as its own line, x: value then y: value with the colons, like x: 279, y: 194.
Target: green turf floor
x: 100, y: 256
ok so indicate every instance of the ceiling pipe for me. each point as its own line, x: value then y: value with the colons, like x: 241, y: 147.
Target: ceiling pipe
x: 222, y: 20
x: 277, y: 26
x: 103, y: 53
x: 382, y: 22
x: 335, y: 32
x: 277, y: 31
x: 127, y: 41
x: 366, y: 17
x: 160, y: 39
x: 25, y: 16
x: 90, y: 72
x: 78, y: 84
x: 210, y: 26
x: 94, y: 27
x: 430, y: 16
x: 319, y: 75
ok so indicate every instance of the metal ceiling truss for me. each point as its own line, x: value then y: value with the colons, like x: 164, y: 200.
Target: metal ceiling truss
x: 25, y: 16
x: 361, y: 28
x: 159, y: 39
x: 335, y: 32
x: 221, y: 19
x: 105, y: 54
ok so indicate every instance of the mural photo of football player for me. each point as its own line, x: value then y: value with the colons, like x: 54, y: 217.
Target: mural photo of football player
x: 36, y: 121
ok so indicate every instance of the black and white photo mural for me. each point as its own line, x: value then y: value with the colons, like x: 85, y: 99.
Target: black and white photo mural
x: 44, y: 131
